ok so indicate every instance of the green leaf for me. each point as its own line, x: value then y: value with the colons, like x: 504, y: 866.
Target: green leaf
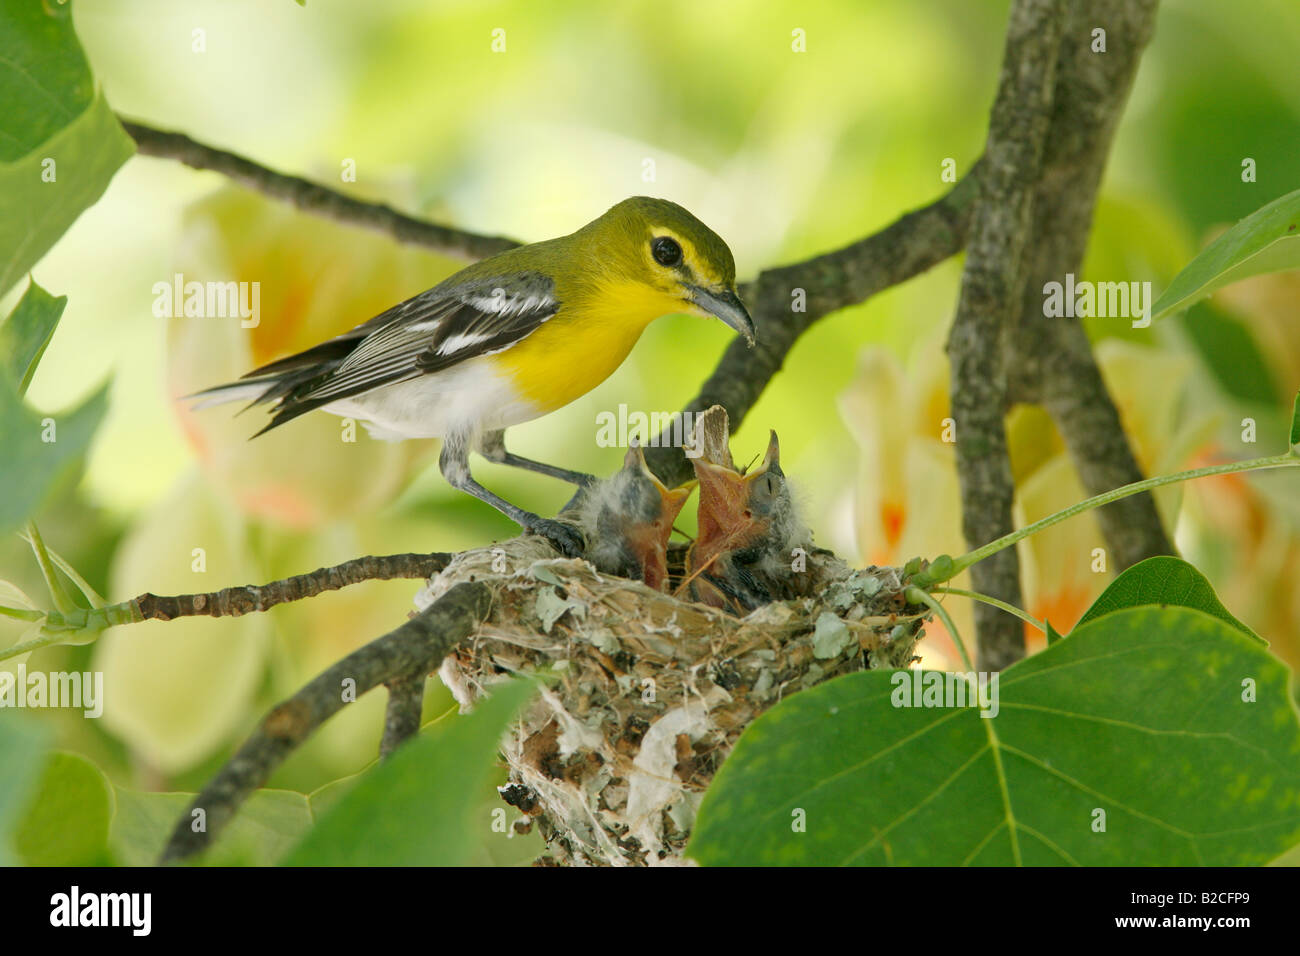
x: 26, y: 333
x: 941, y: 568
x: 1053, y: 635
x: 63, y: 564
x: 45, y: 82
x: 12, y: 596
x: 1268, y: 240
x: 324, y: 797
x: 53, y: 584
x: 22, y: 754
x: 416, y: 807
x: 33, y: 467
x: 66, y: 822
x: 267, y: 826
x: 1231, y: 353
x: 1163, y: 580
x: 1152, y: 736
x: 52, y: 113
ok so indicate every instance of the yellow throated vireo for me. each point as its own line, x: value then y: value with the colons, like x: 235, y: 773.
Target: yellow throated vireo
x: 507, y: 340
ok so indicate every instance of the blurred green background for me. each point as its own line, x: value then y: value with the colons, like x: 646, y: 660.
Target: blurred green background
x: 786, y: 154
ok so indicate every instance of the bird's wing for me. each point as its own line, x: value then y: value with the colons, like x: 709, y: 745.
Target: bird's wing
x: 423, y: 335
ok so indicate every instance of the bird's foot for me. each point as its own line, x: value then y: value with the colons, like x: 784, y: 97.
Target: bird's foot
x: 567, y: 539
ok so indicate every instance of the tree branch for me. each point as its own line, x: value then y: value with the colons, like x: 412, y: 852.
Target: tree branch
x: 1053, y: 363
x: 314, y: 198
x: 990, y: 292
x: 232, y: 602
x: 417, y: 647
x: 402, y: 716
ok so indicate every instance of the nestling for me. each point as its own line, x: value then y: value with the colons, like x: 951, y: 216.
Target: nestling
x: 507, y: 340
x: 749, y: 526
x: 628, y: 519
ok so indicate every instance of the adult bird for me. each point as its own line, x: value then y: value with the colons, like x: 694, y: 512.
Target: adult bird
x: 509, y: 339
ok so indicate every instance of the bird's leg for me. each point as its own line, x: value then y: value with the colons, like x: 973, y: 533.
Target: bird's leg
x: 453, y: 462
x: 492, y: 446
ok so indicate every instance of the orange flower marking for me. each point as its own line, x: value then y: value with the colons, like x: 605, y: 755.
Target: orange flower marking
x: 1063, y: 607
x: 892, y: 518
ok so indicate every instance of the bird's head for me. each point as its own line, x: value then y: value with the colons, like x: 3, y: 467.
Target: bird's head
x: 675, y: 262
x: 749, y: 526
x: 629, y: 518
x: 739, y: 509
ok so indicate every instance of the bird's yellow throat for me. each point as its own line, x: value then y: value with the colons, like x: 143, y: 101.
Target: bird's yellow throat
x: 585, y: 342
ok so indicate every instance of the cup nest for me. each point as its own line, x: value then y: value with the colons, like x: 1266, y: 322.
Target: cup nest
x: 649, y: 691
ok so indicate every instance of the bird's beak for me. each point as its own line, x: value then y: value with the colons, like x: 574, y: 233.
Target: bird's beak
x: 725, y: 496
x: 673, y: 498
x: 773, y: 457
x: 648, y: 542
x: 725, y: 305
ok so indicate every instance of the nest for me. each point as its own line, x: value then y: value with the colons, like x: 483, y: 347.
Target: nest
x: 612, y: 758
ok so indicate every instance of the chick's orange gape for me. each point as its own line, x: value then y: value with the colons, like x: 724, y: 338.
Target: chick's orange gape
x: 507, y: 340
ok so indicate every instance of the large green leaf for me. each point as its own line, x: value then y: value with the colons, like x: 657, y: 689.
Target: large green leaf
x: 26, y: 333
x: 1171, y: 728
x: 60, y: 143
x: 45, y: 82
x: 1231, y: 352
x: 267, y: 825
x: 1268, y: 240
x: 38, y: 453
x: 66, y: 822
x: 1163, y: 580
x: 416, y: 808
x: 22, y: 754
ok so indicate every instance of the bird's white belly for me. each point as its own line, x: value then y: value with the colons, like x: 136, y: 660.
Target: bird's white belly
x: 466, y: 399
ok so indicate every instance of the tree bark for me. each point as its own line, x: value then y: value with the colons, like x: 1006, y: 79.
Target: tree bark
x: 1052, y: 361
x: 990, y: 292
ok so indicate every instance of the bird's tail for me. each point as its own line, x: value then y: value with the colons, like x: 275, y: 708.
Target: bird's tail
x: 279, y: 388
x: 255, y: 393
x: 286, y: 382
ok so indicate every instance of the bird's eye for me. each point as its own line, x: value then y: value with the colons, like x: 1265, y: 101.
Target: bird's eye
x: 666, y: 251
x: 765, y: 491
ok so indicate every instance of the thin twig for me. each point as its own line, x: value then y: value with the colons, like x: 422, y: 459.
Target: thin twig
x: 914, y: 595
x: 417, y: 647
x: 232, y: 602
x: 314, y: 198
x: 402, y: 716
x: 973, y: 558
x: 1009, y: 608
